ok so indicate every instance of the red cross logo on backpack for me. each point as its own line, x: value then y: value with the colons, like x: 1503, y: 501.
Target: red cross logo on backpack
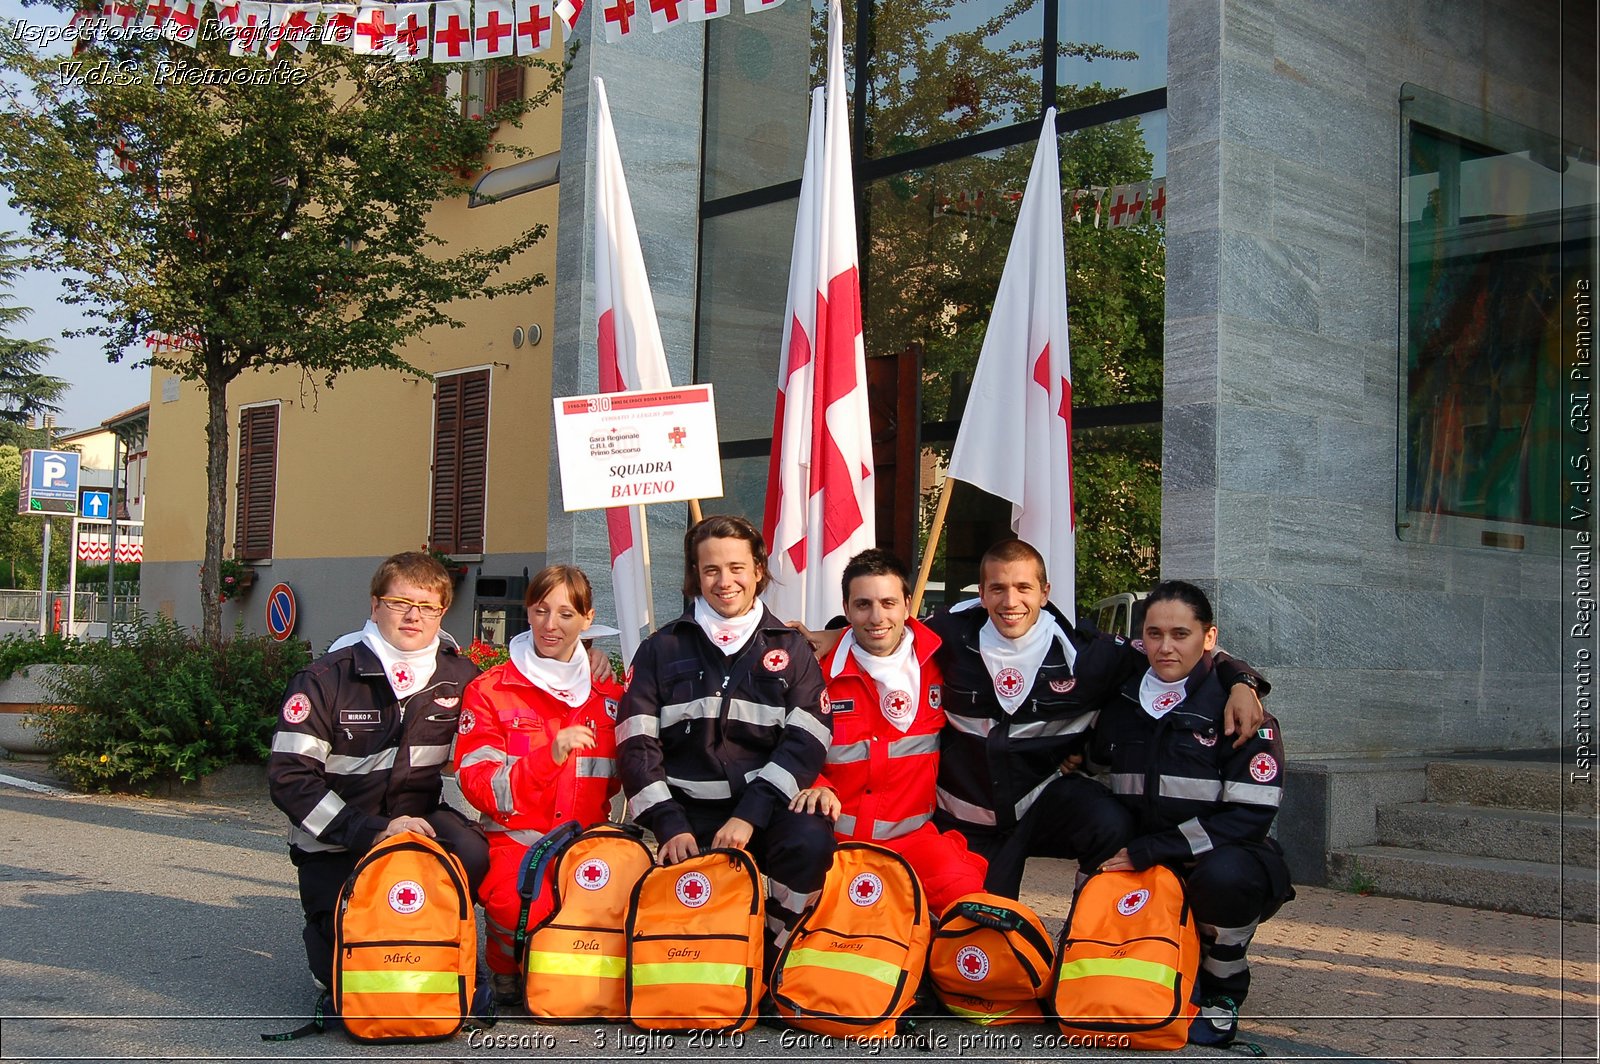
x: 694, y: 889
x: 972, y: 963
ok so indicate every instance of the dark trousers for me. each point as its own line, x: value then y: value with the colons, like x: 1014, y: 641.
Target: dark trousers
x: 1075, y: 817
x: 322, y: 874
x: 1231, y: 890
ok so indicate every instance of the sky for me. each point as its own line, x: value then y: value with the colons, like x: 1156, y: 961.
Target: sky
x: 98, y: 389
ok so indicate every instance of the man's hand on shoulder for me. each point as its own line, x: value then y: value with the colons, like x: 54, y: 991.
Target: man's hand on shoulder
x: 1243, y: 714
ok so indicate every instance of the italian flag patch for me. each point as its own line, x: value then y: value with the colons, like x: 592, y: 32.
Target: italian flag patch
x: 1267, y: 733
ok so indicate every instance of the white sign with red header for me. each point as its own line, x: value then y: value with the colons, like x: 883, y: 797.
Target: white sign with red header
x: 632, y: 448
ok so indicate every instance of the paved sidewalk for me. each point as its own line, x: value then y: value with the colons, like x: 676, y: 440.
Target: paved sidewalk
x: 1337, y: 976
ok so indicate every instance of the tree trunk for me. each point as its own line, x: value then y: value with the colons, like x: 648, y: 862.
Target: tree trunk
x: 216, y: 386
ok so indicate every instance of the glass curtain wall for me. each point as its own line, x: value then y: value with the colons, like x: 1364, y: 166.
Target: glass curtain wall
x: 946, y: 99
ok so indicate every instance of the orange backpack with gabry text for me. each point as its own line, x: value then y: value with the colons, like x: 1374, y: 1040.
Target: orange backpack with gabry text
x: 1129, y: 957
x: 695, y: 945
x: 990, y: 960
x: 854, y: 961
x: 405, y: 954
x: 576, y: 958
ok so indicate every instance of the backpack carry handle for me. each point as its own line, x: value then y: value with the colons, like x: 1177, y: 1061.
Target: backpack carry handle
x: 988, y: 916
x: 531, y: 877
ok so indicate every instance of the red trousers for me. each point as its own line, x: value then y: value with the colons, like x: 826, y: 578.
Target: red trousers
x: 502, y: 904
x: 948, y: 870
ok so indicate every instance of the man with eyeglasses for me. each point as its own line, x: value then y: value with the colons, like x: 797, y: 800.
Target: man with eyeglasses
x: 362, y: 737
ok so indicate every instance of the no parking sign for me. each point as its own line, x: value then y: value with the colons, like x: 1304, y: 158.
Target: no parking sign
x: 281, y: 611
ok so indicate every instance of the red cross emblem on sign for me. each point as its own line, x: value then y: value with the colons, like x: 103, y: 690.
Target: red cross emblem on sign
x: 677, y: 436
x: 1009, y: 683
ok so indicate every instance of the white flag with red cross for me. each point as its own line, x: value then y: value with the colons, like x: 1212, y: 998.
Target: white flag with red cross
x: 183, y: 22
x: 631, y: 354
x: 1015, y: 439
x: 156, y: 13
x: 667, y: 14
x: 808, y: 556
x: 705, y: 10
x: 374, y: 33
x: 339, y: 25
x: 120, y: 14
x: 413, y: 38
x: 567, y: 12
x: 452, y: 31
x: 251, y: 29
x: 275, y: 16
x: 493, y: 27
x: 617, y: 18
x: 535, y: 26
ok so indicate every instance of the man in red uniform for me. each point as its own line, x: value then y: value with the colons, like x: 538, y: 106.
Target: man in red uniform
x: 885, y: 691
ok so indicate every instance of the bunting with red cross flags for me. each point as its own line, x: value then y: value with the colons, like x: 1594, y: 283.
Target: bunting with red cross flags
x: 452, y: 31
x: 374, y: 31
x: 413, y: 40
x: 617, y: 18
x: 535, y: 25
x: 1015, y: 439
x: 339, y: 25
x: 493, y: 27
x: 251, y: 30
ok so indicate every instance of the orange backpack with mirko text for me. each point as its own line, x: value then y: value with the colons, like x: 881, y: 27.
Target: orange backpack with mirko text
x: 1129, y: 956
x: 405, y: 953
x: 695, y: 945
x: 990, y: 960
x: 854, y: 961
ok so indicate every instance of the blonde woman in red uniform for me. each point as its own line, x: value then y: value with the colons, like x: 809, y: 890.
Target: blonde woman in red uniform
x: 537, y: 747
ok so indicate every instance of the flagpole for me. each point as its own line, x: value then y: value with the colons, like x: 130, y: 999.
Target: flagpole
x: 644, y: 567
x: 932, y: 547
x: 695, y: 516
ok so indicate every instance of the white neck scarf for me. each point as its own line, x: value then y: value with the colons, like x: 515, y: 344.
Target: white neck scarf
x: 897, y: 675
x: 1158, y: 697
x: 1013, y: 664
x: 566, y: 680
x: 407, y: 670
x: 727, y: 634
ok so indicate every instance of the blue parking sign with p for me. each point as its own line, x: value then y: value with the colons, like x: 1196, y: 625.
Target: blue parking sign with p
x: 49, y: 483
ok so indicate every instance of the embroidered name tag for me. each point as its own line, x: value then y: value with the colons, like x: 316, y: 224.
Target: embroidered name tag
x: 842, y: 705
x: 358, y: 717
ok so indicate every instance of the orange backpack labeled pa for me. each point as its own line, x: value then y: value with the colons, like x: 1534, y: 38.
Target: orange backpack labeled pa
x: 695, y: 945
x: 576, y: 958
x: 990, y: 960
x: 854, y: 961
x: 405, y: 943
x: 1129, y: 956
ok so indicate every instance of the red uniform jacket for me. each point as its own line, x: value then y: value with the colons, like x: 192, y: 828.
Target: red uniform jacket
x: 884, y: 777
x: 503, y: 761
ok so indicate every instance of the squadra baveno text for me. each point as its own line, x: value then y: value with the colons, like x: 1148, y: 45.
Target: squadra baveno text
x: 938, y: 1041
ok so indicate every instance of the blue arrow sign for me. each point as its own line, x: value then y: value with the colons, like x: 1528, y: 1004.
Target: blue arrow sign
x: 96, y: 503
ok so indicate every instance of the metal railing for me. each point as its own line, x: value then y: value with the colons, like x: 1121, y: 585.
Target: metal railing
x: 89, y: 606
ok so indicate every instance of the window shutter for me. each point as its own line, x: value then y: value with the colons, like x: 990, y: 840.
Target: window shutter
x: 460, y: 462
x: 507, y: 86
x: 258, y: 476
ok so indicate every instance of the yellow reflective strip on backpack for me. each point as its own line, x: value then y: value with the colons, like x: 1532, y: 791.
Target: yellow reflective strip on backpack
x: 400, y: 982
x: 702, y: 973
x: 544, y: 963
x: 1124, y: 967
x: 882, y: 971
x: 975, y: 1016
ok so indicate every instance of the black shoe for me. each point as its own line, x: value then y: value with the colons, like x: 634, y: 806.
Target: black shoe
x: 1217, y: 1024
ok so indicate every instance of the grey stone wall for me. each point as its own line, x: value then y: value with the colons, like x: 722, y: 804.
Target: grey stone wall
x: 654, y: 86
x: 1282, y: 382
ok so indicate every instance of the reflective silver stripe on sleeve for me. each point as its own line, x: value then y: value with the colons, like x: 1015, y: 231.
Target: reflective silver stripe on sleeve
x: 893, y: 829
x: 317, y: 821
x: 1252, y: 793
x: 649, y: 797
x: 780, y: 778
x: 914, y: 745
x: 301, y: 745
x: 972, y: 814
x: 847, y: 754
x: 1195, y: 790
x: 704, y: 790
x: 423, y: 756
x: 1223, y: 969
x: 806, y: 722
x: 979, y: 726
x: 301, y: 839
x: 1026, y: 801
x: 1127, y: 783
x: 382, y: 761
x: 500, y: 784
x: 1045, y: 729
x: 597, y: 767
x: 756, y: 713
x: 678, y: 712
x: 845, y: 825
x: 1195, y: 835
x: 482, y: 754
x: 787, y: 897
x: 1230, y: 936
x: 645, y: 724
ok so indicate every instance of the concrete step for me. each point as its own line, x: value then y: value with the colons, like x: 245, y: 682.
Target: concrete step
x: 1528, y: 887
x: 1483, y: 831
x: 1538, y: 785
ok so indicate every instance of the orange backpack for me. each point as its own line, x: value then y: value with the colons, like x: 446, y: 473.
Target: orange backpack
x: 990, y: 960
x: 576, y: 958
x: 695, y: 945
x: 405, y: 955
x: 853, y: 963
x: 1128, y: 960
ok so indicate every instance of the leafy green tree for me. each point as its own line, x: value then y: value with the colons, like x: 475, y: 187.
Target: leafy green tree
x: 26, y: 392
x: 281, y: 223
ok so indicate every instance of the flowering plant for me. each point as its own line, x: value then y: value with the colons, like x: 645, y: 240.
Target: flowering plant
x: 486, y: 655
x: 236, y: 577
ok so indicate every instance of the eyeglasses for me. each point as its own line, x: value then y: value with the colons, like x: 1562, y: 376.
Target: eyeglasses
x: 403, y: 606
